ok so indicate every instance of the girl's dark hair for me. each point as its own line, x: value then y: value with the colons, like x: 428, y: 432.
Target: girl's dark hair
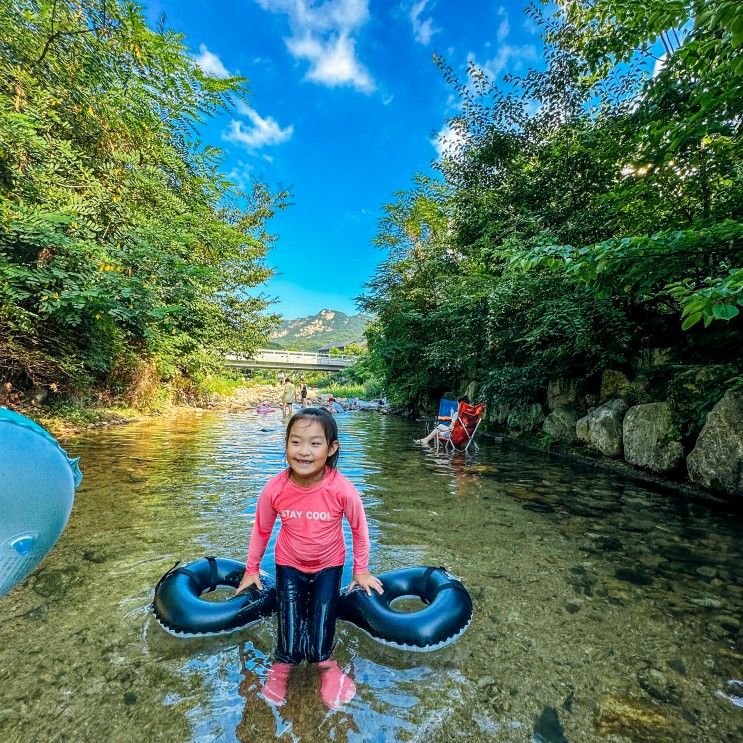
x: 464, y: 398
x: 329, y: 427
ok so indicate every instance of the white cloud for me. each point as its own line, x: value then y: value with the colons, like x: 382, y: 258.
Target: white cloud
x: 423, y: 30
x: 324, y: 35
x: 449, y: 141
x: 660, y: 63
x: 530, y: 26
x: 504, y: 27
x: 511, y: 57
x: 260, y: 132
x: 240, y: 175
x: 332, y: 62
x: 388, y: 99
x: 210, y: 63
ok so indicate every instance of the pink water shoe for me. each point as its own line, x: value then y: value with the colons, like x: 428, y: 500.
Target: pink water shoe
x: 274, y: 690
x: 335, y: 687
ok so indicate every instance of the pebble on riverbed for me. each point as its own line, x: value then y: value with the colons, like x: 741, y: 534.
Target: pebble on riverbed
x: 634, y: 719
x: 659, y: 685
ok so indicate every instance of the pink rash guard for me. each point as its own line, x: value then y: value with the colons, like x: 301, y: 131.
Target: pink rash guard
x: 311, y: 534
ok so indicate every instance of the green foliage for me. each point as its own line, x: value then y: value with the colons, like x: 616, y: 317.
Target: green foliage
x: 588, y: 211
x: 345, y: 390
x: 119, y: 239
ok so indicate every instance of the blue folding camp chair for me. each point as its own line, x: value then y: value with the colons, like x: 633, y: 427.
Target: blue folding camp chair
x: 447, y: 408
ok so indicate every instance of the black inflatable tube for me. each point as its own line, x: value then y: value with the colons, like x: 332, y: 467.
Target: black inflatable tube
x: 446, y: 616
x: 180, y: 610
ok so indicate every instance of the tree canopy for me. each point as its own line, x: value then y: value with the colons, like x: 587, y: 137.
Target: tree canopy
x: 120, y: 241
x: 585, y: 211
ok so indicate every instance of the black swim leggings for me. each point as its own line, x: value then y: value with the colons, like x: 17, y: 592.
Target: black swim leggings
x: 306, y: 613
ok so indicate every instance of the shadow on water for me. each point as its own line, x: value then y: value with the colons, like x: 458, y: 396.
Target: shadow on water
x: 603, y: 610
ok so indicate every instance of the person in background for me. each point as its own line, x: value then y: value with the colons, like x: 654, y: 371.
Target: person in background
x: 303, y: 393
x: 334, y: 406
x: 287, y: 397
x: 443, y: 431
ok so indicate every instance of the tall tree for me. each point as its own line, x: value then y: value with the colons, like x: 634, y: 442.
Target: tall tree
x: 119, y: 238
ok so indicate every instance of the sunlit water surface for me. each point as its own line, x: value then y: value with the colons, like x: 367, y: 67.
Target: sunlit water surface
x: 603, y: 610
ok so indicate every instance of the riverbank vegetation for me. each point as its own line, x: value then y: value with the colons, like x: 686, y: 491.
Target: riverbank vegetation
x: 585, y: 214
x: 124, y: 253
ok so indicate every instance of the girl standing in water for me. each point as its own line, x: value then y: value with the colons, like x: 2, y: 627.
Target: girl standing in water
x: 311, y: 498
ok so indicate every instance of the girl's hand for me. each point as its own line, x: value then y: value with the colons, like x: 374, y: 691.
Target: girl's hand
x: 367, y: 581
x: 249, y: 579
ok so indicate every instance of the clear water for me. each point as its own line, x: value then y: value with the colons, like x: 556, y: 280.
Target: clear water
x: 603, y: 610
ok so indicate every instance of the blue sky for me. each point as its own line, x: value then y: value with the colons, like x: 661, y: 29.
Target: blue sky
x: 346, y: 106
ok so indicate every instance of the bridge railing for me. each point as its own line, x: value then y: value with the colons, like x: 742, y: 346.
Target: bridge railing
x: 274, y: 356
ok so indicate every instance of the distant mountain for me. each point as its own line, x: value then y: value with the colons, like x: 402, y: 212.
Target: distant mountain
x: 324, y: 328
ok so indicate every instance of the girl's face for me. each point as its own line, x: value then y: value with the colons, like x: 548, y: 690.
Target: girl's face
x: 307, y: 451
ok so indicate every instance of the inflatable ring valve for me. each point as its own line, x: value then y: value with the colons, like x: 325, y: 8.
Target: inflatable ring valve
x: 37, y: 490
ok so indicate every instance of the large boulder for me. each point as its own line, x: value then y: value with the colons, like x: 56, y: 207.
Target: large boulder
x: 472, y: 390
x: 527, y: 418
x: 614, y: 384
x: 559, y: 425
x: 716, y: 461
x: 602, y: 428
x: 562, y: 392
x: 650, y: 437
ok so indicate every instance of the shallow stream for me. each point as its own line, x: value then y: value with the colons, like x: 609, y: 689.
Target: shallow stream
x: 603, y: 610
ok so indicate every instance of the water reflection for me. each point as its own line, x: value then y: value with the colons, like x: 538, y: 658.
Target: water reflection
x: 602, y: 609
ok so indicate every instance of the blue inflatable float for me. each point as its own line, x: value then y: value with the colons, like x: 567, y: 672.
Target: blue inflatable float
x: 37, y: 489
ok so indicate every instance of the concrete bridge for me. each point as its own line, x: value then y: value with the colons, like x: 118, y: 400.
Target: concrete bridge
x: 271, y: 358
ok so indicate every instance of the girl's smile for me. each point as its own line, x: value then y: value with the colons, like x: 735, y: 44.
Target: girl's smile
x: 307, y: 451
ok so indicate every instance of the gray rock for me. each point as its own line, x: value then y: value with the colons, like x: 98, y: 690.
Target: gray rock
x: 613, y: 384
x: 652, y: 357
x: 526, y: 417
x: 560, y: 424
x: 562, y: 392
x: 472, y: 389
x: 650, y: 437
x: 659, y: 685
x: 716, y: 461
x: 602, y: 428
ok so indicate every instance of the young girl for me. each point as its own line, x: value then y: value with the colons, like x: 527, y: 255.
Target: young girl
x: 311, y: 498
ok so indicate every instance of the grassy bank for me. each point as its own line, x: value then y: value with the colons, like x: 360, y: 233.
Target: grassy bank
x: 65, y: 414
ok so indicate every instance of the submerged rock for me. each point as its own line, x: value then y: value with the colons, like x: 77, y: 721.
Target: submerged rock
x: 634, y: 576
x: 602, y: 428
x: 659, y: 685
x: 650, y: 437
x: 633, y: 718
x: 547, y: 728
x: 716, y: 461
